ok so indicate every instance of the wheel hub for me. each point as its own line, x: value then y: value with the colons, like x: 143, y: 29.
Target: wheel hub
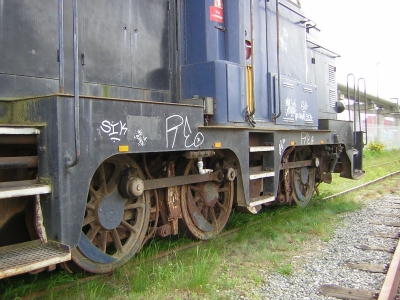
x: 111, y: 210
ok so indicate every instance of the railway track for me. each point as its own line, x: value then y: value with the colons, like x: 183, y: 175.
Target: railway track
x: 390, y: 286
x: 392, y: 281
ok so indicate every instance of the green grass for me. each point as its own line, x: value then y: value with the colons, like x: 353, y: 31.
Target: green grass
x: 375, y: 164
x: 20, y: 286
x: 189, y: 270
x: 269, y: 240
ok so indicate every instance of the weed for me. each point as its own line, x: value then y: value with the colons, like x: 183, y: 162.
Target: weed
x: 285, y: 269
x: 375, y: 146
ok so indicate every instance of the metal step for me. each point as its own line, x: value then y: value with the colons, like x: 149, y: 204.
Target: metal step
x: 262, y: 174
x: 261, y: 200
x: 18, y: 130
x: 24, y: 190
x: 18, y: 162
x: 30, y: 256
x: 18, y: 139
x: 262, y: 148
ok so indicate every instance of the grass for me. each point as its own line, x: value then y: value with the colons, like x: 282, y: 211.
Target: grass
x: 276, y: 239
x: 376, y: 164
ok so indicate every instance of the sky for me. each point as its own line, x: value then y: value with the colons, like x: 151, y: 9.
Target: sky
x: 366, y: 34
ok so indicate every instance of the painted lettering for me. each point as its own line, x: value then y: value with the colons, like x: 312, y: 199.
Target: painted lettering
x: 174, y: 124
x: 306, y: 138
x: 114, y: 129
x: 281, y: 146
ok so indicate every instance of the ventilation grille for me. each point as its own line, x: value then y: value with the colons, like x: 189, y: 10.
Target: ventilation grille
x: 332, y: 98
x: 332, y: 74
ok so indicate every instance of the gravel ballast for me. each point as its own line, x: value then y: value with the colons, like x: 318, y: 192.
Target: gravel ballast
x: 326, y: 266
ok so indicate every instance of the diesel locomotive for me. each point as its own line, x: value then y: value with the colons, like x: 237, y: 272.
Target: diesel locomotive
x: 122, y: 120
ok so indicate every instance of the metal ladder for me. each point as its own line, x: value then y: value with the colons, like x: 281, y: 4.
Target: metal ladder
x: 31, y: 255
x: 261, y: 175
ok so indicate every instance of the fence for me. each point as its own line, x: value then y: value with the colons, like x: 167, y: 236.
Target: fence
x: 386, y: 134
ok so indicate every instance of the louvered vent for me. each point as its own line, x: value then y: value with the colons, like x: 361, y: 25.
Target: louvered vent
x: 332, y: 98
x: 332, y: 73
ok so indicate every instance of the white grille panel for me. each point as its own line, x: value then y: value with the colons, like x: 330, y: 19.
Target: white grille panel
x: 332, y: 98
x: 332, y: 74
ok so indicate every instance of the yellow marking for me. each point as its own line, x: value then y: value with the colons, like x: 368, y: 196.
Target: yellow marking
x: 292, y: 143
x: 249, y: 88
x: 124, y: 148
x: 217, y: 145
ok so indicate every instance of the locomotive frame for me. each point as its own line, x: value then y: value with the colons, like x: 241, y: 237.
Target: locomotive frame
x: 189, y: 108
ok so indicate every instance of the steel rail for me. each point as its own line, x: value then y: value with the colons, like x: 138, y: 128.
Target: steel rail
x: 361, y: 186
x: 392, y: 279
x: 385, y: 163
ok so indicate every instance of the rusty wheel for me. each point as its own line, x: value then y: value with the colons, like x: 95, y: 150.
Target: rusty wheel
x: 205, y: 206
x: 114, y: 226
x: 303, y: 185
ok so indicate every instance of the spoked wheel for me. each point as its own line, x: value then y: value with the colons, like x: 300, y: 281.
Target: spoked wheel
x: 205, y: 206
x: 114, y: 226
x: 303, y: 181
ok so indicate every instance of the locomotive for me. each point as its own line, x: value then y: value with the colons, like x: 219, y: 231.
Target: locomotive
x: 122, y: 120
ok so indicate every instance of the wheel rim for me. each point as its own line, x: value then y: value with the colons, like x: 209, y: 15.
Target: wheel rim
x: 205, y: 206
x: 303, y: 185
x: 114, y: 227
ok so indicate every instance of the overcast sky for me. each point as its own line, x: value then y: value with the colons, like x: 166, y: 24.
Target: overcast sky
x: 366, y: 34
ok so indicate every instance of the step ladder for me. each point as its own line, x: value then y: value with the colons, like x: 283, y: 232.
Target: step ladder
x: 31, y: 255
x: 262, y: 176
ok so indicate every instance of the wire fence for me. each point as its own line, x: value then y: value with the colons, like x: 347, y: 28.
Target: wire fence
x: 385, y: 134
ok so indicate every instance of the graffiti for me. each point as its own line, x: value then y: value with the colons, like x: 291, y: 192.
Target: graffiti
x: 291, y: 110
x: 281, y: 146
x: 178, y: 131
x: 139, y: 136
x: 290, y: 106
x: 304, y: 116
x: 177, y: 124
x: 304, y: 105
x: 306, y: 138
x: 283, y: 45
x: 114, y: 130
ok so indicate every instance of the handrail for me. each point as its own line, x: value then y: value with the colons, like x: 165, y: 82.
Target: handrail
x: 73, y: 163
x: 358, y: 101
x: 348, y: 100
x: 365, y: 107
x: 319, y: 46
x: 275, y: 116
x: 61, y: 44
x: 354, y: 90
x: 291, y: 9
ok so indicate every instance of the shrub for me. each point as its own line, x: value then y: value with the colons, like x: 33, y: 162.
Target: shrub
x: 375, y: 146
